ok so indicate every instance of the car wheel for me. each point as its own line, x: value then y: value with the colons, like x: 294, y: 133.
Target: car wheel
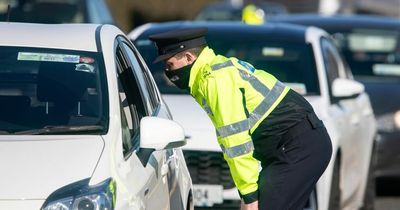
x: 370, y: 191
x: 334, y: 200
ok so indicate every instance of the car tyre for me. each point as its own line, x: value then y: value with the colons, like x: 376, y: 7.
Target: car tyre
x: 334, y: 199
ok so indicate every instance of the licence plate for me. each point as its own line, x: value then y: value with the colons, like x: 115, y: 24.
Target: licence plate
x: 207, y: 195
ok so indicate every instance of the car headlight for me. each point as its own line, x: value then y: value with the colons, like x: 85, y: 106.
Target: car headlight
x: 396, y: 118
x: 81, y: 196
x: 389, y: 122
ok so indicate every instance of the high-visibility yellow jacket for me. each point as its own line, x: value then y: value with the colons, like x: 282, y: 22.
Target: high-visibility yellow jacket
x: 237, y: 98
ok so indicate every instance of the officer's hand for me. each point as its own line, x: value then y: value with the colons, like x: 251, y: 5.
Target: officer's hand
x: 250, y: 206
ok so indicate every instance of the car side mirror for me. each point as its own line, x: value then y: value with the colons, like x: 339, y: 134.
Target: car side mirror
x: 346, y: 88
x: 159, y: 133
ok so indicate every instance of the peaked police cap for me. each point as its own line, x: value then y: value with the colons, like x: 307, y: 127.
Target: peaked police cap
x: 172, y: 42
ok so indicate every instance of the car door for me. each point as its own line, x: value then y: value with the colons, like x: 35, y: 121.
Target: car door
x: 172, y: 155
x: 145, y: 170
x: 364, y: 133
x: 346, y: 112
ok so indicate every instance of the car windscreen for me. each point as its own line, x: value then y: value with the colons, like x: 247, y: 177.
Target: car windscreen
x: 292, y: 63
x: 44, y: 11
x: 220, y: 13
x: 370, y: 52
x: 52, y: 90
x: 229, y: 12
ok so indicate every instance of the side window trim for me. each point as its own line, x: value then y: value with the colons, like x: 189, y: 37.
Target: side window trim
x: 133, y: 141
x: 137, y: 72
x: 336, y: 54
x: 129, y: 67
x: 155, y: 97
x: 327, y: 51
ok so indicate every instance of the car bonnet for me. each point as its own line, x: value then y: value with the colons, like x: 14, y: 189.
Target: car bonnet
x: 35, y: 166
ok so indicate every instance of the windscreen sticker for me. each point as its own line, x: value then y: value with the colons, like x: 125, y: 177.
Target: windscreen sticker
x: 48, y: 57
x: 273, y: 52
x: 86, y: 60
x: 84, y: 67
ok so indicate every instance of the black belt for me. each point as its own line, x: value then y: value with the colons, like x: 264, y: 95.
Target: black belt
x: 310, y: 122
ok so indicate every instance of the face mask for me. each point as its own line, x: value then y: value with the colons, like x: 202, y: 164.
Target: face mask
x: 180, y: 77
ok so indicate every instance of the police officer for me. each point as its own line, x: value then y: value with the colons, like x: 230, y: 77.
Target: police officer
x: 257, y: 118
x: 253, y: 15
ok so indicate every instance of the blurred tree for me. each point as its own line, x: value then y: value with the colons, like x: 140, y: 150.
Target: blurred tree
x: 131, y: 13
x: 120, y: 10
x: 298, y: 6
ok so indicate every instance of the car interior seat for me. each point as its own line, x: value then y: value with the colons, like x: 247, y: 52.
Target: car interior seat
x: 14, y: 109
x: 63, y: 89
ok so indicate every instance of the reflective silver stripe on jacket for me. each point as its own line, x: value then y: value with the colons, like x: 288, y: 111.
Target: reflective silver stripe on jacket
x: 233, y: 128
x: 255, y: 115
x: 238, y: 150
x: 270, y: 97
x: 206, y: 107
x: 221, y: 65
x: 257, y: 84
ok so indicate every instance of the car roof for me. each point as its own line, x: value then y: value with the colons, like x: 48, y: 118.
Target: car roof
x: 340, y: 22
x: 269, y: 31
x: 57, y: 36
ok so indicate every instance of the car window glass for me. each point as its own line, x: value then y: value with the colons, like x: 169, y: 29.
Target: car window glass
x: 372, y: 53
x: 347, y: 71
x: 331, y: 65
x: 137, y: 70
x: 132, y: 106
x: 143, y: 70
x: 43, y: 88
x: 152, y: 87
x: 126, y: 126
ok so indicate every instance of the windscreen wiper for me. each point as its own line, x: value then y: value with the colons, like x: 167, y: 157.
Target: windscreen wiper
x: 62, y: 130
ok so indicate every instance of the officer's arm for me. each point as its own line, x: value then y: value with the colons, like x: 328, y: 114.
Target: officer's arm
x: 228, y: 109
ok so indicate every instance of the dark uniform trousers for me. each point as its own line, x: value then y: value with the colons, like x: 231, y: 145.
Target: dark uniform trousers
x: 292, y: 164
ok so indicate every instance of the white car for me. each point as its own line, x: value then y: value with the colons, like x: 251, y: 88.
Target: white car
x: 82, y: 124
x: 307, y: 61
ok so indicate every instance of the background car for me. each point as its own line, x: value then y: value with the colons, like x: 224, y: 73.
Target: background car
x: 78, y: 113
x: 228, y: 11
x: 56, y: 11
x: 306, y: 59
x: 371, y: 47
